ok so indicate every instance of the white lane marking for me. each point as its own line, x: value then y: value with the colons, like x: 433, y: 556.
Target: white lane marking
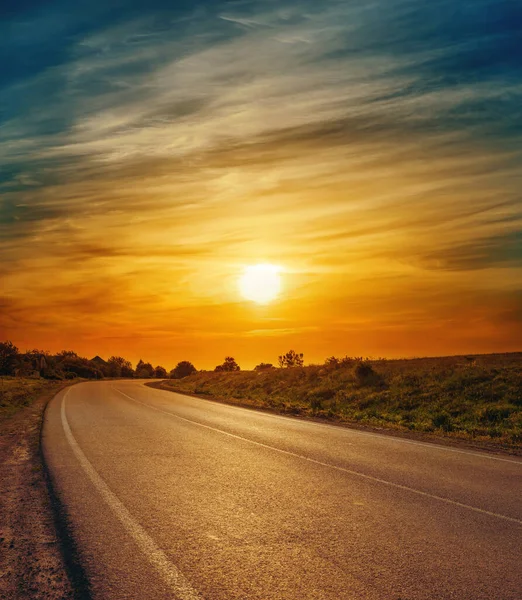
x: 349, y: 431
x: 330, y: 466
x: 172, y: 576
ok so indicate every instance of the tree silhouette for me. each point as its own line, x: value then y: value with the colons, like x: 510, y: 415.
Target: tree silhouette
x: 160, y: 372
x: 291, y: 359
x: 229, y: 364
x: 117, y: 366
x: 77, y: 365
x: 144, y: 370
x: 8, y: 357
x: 183, y: 369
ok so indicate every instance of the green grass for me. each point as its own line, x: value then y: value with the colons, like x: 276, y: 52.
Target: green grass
x: 18, y: 392
x: 477, y: 398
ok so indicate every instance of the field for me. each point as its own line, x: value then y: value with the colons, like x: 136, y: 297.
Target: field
x: 17, y: 392
x: 474, y: 398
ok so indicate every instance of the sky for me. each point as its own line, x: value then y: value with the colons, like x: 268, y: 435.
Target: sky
x: 151, y: 151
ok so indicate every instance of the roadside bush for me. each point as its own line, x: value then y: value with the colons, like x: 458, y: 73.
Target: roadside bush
x: 365, y: 375
x: 495, y: 414
x: 316, y: 403
x: 516, y: 437
x: 50, y: 373
x: 183, y: 369
x: 442, y: 421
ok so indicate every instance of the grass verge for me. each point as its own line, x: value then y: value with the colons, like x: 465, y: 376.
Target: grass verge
x: 19, y: 392
x: 477, y: 399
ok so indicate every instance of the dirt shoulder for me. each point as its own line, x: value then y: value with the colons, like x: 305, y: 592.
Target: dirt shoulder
x: 434, y: 438
x: 31, y: 563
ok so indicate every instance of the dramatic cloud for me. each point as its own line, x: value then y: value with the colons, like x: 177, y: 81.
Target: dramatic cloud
x: 149, y: 151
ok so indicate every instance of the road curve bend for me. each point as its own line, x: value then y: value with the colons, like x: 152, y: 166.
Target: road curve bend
x: 170, y: 496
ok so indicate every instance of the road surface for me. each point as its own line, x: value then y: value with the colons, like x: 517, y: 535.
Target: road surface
x: 171, y: 496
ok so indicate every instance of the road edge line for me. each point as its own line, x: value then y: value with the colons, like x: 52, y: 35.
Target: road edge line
x: 155, y: 556
x: 74, y: 569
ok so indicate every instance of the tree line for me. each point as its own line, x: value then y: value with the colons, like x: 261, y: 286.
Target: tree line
x: 67, y: 364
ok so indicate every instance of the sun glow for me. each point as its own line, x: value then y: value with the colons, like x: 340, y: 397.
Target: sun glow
x: 260, y: 283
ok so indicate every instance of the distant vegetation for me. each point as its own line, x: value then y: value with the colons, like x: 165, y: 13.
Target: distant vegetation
x: 183, y: 369
x: 228, y: 365
x: 264, y: 367
x: 144, y: 370
x: 477, y: 397
x: 68, y: 365
x: 291, y: 359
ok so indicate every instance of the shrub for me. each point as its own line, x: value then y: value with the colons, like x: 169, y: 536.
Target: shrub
x: 264, y: 367
x: 516, y: 437
x: 364, y: 374
x: 442, y: 421
x: 183, y: 369
x: 228, y: 365
x: 315, y: 403
x: 333, y: 362
x: 50, y: 373
x: 495, y: 414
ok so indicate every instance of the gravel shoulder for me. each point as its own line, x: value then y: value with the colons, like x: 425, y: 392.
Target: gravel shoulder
x: 31, y: 561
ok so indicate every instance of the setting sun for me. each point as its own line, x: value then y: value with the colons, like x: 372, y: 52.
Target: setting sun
x: 260, y: 283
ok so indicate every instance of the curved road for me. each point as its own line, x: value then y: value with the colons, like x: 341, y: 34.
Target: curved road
x: 170, y: 496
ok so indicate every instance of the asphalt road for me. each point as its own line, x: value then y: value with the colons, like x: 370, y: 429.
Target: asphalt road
x: 171, y: 496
